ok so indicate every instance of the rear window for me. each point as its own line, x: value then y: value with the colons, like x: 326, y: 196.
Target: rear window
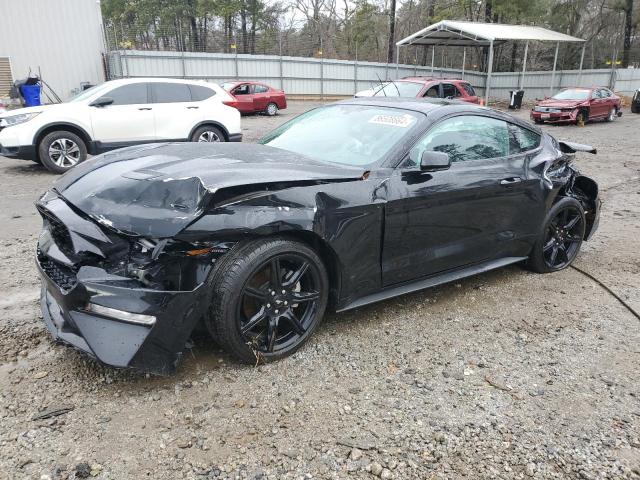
x: 199, y: 93
x: 399, y: 89
x: 171, y: 92
x: 469, y: 89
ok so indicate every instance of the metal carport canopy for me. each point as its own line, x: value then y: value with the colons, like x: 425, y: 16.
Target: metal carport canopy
x: 464, y: 34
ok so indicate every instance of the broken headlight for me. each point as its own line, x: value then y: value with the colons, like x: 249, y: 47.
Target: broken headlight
x: 171, y: 264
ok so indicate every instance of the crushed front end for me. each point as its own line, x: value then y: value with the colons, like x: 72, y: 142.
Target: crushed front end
x: 126, y: 300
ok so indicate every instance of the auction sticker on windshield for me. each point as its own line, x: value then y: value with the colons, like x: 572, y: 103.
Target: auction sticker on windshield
x: 402, y: 121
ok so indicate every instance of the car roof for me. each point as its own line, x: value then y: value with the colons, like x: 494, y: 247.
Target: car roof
x: 431, y: 79
x: 129, y: 81
x: 437, y: 107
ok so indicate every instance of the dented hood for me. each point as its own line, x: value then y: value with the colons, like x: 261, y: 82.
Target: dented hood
x: 156, y: 190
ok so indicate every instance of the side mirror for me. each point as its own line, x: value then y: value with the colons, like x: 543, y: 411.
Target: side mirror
x: 431, y: 161
x: 102, y: 102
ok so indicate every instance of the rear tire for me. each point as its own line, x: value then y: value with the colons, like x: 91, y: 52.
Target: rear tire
x: 207, y: 134
x: 272, y: 109
x: 561, y: 237
x: 613, y: 114
x: 60, y: 151
x: 267, y: 297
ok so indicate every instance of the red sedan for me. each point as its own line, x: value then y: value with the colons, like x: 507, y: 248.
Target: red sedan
x: 427, y: 87
x: 578, y: 105
x: 252, y: 97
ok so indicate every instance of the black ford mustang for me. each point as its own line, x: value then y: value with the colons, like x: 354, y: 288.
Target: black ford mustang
x: 342, y: 206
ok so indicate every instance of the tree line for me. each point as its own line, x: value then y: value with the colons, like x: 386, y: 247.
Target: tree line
x: 368, y: 29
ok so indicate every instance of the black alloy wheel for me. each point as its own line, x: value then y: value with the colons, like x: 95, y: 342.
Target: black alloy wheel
x: 268, y: 297
x: 562, y: 237
x: 279, y: 303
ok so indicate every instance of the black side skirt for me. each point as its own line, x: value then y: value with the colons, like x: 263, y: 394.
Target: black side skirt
x: 432, y: 281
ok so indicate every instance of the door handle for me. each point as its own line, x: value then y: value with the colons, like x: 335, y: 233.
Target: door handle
x: 193, y: 107
x: 510, y: 181
x: 145, y: 108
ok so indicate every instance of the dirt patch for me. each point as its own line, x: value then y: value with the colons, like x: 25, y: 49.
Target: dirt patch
x: 507, y: 375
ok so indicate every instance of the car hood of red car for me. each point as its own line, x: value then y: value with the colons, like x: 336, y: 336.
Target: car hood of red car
x: 554, y: 103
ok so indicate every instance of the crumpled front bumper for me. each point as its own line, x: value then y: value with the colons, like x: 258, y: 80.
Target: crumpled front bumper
x: 155, y: 349
x: 555, y: 117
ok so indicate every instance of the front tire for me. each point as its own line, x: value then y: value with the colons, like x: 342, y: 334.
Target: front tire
x: 561, y: 237
x: 207, y: 134
x: 61, y: 150
x: 268, y: 297
x: 581, y: 118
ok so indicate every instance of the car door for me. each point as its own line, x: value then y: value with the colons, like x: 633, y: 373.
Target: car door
x: 609, y: 100
x: 598, y: 104
x: 127, y: 120
x: 175, y: 112
x: 468, y: 93
x: 433, y: 91
x: 449, y: 91
x: 244, y: 97
x: 261, y: 97
x: 442, y: 220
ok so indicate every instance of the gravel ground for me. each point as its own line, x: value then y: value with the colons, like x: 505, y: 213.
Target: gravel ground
x: 506, y: 375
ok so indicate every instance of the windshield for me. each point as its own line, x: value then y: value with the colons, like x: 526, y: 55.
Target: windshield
x: 572, y: 94
x: 89, y: 92
x: 399, y: 89
x: 228, y: 85
x: 355, y: 135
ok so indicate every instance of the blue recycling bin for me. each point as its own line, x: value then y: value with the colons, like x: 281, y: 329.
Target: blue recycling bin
x: 31, y: 95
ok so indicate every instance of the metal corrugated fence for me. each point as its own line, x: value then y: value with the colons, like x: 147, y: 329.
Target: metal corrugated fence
x: 6, y: 78
x: 320, y: 77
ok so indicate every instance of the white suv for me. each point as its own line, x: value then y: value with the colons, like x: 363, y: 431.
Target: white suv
x: 116, y: 114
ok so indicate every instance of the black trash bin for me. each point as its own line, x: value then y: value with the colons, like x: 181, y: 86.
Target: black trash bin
x: 515, y: 99
x: 635, y: 102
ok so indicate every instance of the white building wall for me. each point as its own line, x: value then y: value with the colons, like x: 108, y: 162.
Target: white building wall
x: 61, y: 37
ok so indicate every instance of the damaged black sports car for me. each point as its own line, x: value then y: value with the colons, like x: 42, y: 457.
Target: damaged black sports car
x: 345, y: 205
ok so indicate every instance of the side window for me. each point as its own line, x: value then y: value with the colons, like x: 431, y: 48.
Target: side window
x: 469, y: 89
x: 171, y: 92
x: 241, y: 90
x: 134, y: 94
x: 605, y: 93
x: 260, y: 89
x: 597, y: 93
x: 449, y: 90
x: 432, y: 92
x: 199, y: 93
x: 466, y: 137
x: 522, y: 139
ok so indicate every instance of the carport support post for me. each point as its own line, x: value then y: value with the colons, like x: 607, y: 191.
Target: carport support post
x: 321, y: 70
x: 464, y: 61
x: 433, y: 56
x: 487, y: 84
x: 397, y: 61
x: 280, y: 61
x: 524, y: 65
x: 236, y: 62
x: 355, y: 72
x: 584, y: 46
x: 553, y: 73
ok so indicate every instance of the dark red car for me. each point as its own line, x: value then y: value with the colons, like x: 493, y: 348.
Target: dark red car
x: 578, y: 105
x: 427, y: 87
x: 253, y: 97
